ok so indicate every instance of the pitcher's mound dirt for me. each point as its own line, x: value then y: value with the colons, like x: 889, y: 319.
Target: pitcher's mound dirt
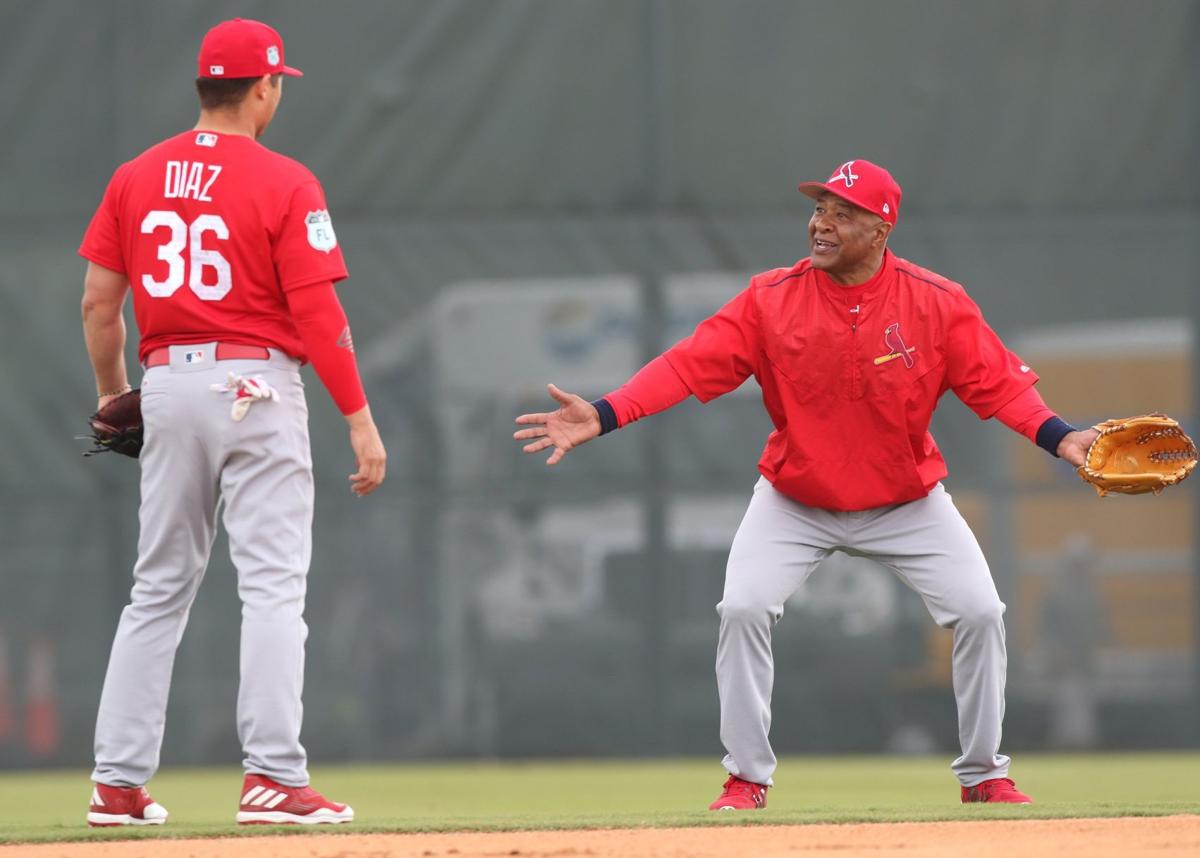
x: 1160, y: 837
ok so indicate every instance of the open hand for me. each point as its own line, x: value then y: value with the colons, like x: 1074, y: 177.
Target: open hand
x: 575, y: 422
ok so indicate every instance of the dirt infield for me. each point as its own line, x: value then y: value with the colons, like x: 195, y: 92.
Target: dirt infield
x: 1161, y: 837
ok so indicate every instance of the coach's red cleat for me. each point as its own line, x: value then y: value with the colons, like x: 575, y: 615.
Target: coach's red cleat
x: 265, y: 802
x: 123, y: 806
x: 997, y: 790
x: 740, y: 795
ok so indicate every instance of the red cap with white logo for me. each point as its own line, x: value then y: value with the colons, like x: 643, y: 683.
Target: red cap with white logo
x: 864, y: 184
x: 242, y: 48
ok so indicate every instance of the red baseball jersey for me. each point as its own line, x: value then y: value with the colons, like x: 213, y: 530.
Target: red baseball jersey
x: 212, y: 230
x: 850, y: 376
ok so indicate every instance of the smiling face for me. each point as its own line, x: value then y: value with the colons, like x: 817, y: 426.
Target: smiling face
x: 846, y: 242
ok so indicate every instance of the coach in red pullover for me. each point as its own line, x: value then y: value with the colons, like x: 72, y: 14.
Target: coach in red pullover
x: 852, y: 347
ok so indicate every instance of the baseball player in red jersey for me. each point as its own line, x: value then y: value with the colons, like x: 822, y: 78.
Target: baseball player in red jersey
x: 852, y: 347
x: 231, y: 255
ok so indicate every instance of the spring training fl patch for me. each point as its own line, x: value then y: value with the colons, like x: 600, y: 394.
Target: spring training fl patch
x: 320, y: 230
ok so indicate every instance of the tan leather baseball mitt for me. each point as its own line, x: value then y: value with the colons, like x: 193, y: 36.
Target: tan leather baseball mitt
x: 1140, y: 454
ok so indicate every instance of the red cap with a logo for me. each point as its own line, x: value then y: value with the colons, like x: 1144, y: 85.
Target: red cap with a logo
x: 242, y: 48
x: 864, y: 184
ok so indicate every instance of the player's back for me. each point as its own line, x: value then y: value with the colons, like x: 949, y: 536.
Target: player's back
x: 209, y: 234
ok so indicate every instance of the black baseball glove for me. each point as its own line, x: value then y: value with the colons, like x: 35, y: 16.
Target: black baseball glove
x: 117, y: 427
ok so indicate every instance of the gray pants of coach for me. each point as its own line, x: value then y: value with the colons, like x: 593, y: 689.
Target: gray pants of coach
x: 196, y: 460
x: 928, y: 544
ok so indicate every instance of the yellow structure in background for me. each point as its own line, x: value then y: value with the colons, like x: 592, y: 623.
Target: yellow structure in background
x: 1101, y: 594
x: 1104, y: 586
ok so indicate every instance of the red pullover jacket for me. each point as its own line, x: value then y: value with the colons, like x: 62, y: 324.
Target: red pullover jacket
x: 850, y: 376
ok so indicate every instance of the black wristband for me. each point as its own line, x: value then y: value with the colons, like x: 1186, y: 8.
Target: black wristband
x: 1051, y: 433
x: 608, y: 417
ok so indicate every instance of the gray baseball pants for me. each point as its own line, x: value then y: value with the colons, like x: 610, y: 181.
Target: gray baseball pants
x: 928, y: 544
x: 196, y: 460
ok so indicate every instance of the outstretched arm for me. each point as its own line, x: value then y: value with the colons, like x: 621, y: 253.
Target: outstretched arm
x: 653, y: 388
x: 714, y: 360
x: 1028, y: 414
x: 575, y: 422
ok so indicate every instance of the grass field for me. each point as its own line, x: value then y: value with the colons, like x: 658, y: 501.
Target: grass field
x: 50, y: 806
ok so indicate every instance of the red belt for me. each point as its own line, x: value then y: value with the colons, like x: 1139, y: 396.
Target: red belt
x: 225, y: 351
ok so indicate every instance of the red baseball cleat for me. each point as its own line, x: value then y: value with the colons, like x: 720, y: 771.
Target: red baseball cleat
x: 265, y: 802
x: 124, y: 806
x: 740, y: 795
x: 998, y: 790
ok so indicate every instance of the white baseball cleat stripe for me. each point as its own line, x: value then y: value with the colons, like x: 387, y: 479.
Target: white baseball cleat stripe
x: 275, y: 802
x: 320, y: 815
x: 96, y: 799
x: 123, y: 819
x: 252, y: 794
x: 264, y: 798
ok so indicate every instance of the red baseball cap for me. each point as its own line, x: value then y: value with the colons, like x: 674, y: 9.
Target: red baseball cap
x: 242, y: 48
x: 864, y: 184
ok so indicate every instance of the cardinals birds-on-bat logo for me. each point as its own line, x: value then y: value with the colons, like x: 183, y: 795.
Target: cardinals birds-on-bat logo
x: 845, y: 173
x: 893, y: 340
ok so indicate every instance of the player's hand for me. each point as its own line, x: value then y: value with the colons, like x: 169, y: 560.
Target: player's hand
x: 1074, y: 446
x: 575, y: 422
x: 368, y: 452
